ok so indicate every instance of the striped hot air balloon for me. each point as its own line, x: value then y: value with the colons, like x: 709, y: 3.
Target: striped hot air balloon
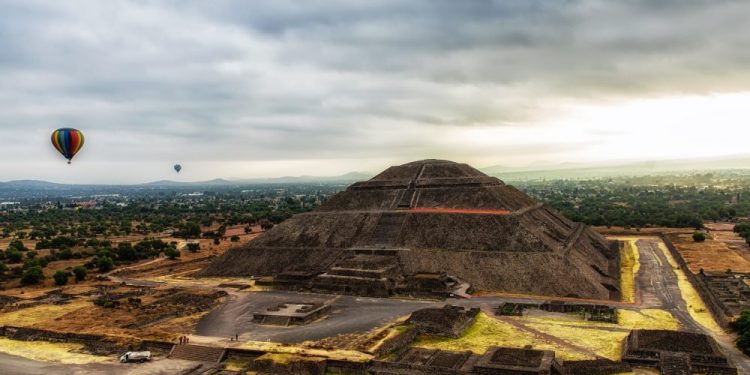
x: 67, y: 141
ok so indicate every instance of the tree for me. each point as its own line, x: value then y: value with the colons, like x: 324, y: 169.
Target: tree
x: 193, y: 246
x: 13, y: 256
x: 172, y: 253
x: 80, y: 273
x: 699, y: 236
x: 105, y: 264
x: 189, y: 230
x: 32, y: 275
x: 61, y: 277
x: 17, y: 244
x: 234, y: 238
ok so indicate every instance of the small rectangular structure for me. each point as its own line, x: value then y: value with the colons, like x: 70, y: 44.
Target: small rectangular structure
x: 515, y: 361
x: 450, y: 321
x: 292, y: 313
x: 496, y: 361
x: 673, y: 352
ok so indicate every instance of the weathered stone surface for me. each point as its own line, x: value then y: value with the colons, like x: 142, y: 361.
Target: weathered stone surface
x: 431, y: 217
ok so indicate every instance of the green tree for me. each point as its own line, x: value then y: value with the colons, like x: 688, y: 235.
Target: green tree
x: 13, y: 256
x: 105, y: 264
x: 32, y: 275
x: 61, y: 277
x: 80, y: 273
x: 172, y: 253
x: 699, y: 236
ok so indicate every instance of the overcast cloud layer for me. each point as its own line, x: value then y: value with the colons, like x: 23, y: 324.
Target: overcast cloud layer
x: 265, y: 88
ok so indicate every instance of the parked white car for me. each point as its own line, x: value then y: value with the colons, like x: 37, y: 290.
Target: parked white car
x: 135, y: 357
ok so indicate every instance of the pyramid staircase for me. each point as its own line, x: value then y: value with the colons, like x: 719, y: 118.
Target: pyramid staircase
x: 388, y: 229
x: 675, y: 363
x: 365, y: 271
x: 198, y: 353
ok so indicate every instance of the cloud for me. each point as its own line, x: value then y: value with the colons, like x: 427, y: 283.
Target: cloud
x: 289, y: 80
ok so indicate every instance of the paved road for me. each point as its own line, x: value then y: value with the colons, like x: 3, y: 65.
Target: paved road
x: 658, y: 288
x: 349, y: 314
x: 13, y: 365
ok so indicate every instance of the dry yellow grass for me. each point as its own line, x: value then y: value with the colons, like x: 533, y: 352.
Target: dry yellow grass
x: 572, y: 339
x: 629, y: 266
x: 697, y: 309
x: 713, y: 255
x: 647, y: 319
x: 488, y: 332
x: 38, y: 314
x: 49, y: 352
x: 277, y: 348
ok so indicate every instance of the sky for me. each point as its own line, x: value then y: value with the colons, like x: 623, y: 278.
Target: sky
x: 250, y: 89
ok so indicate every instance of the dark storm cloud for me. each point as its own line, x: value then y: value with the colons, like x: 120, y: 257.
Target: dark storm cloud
x: 305, y: 79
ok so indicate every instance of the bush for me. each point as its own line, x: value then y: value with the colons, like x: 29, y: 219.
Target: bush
x: 106, y: 303
x: 699, y: 236
x: 193, y: 246
x: 32, y: 275
x: 13, y: 256
x: 17, y: 244
x: 105, y: 264
x: 65, y: 254
x: 61, y: 277
x: 234, y: 238
x: 172, y: 253
x: 80, y: 273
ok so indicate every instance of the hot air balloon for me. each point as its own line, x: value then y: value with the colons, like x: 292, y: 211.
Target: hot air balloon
x: 67, y: 141
x: 177, y: 168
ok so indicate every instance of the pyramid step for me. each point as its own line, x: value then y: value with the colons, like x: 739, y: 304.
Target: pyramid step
x: 388, y: 228
x: 197, y: 353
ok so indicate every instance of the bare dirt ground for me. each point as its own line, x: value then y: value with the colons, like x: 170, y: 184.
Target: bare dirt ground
x: 723, y: 250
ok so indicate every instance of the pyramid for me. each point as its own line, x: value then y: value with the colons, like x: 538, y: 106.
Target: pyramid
x: 430, y: 227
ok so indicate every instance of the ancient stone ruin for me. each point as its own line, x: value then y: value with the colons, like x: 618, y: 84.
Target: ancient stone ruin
x: 292, y: 313
x: 430, y: 227
x: 675, y: 352
x: 495, y: 361
x: 449, y: 321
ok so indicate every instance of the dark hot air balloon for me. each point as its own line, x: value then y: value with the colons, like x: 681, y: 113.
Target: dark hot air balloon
x: 177, y: 168
x: 67, y: 141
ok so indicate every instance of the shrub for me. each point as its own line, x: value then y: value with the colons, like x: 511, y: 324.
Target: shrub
x: 234, y: 238
x: 699, y: 236
x: 13, y: 256
x: 65, y: 254
x: 80, y: 273
x: 32, y: 275
x: 193, y: 246
x: 61, y: 277
x: 106, y: 303
x: 105, y: 264
x: 171, y: 253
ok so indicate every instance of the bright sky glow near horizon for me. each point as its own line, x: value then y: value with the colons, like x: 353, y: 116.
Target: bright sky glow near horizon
x: 236, y: 90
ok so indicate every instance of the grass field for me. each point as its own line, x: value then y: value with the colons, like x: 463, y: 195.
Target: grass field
x: 629, y: 266
x: 571, y: 339
x: 49, y: 352
x: 39, y: 314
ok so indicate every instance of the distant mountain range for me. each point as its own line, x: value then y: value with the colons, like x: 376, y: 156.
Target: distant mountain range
x: 614, y: 169
x: 45, y: 185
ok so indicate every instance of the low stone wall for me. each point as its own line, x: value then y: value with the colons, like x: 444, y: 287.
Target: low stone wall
x: 96, y: 344
x: 397, y: 343
x: 713, y: 304
x: 595, y: 367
